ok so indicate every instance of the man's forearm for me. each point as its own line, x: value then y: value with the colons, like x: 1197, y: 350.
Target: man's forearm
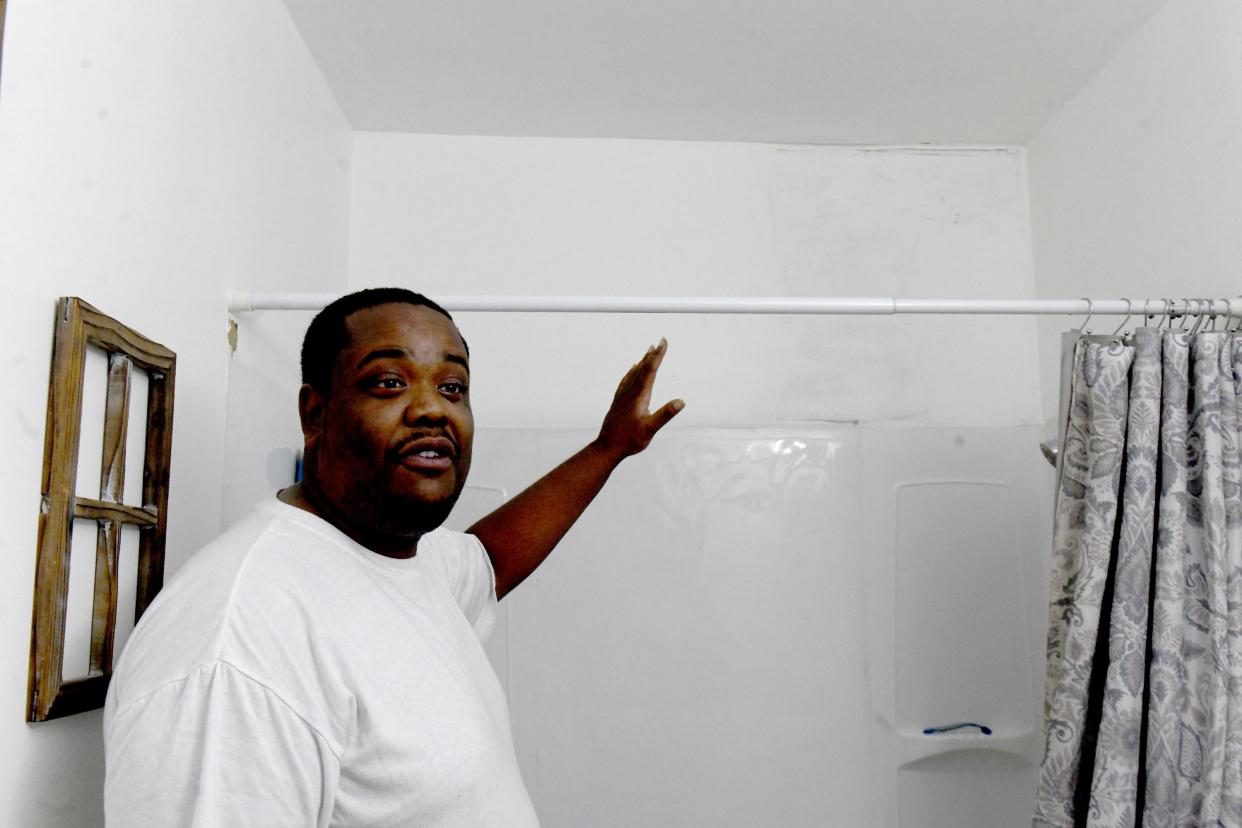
x: 519, y: 535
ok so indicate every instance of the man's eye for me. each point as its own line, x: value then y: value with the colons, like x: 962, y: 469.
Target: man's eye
x: 454, y: 388
x: 387, y: 383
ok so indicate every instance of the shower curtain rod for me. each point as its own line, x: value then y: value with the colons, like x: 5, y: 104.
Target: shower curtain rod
x: 882, y: 306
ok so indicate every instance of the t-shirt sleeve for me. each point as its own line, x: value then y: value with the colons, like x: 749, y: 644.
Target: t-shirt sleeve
x: 216, y: 748
x: 471, y: 580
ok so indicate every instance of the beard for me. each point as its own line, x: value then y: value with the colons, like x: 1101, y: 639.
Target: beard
x: 370, y: 502
x: 398, y: 513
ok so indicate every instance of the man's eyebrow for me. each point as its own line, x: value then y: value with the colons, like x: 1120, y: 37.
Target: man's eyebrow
x: 382, y: 353
x: 402, y: 353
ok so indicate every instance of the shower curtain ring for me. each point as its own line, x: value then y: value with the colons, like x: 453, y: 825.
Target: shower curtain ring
x: 1168, y: 313
x: 1211, y: 326
x: 1090, y: 310
x: 1129, y: 313
x: 1181, y: 326
x: 1164, y: 314
x: 1194, y: 329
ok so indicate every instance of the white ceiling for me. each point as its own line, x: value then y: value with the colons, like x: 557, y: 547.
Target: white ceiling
x: 784, y: 71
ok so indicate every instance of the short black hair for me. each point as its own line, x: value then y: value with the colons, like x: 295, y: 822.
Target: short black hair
x: 327, y: 336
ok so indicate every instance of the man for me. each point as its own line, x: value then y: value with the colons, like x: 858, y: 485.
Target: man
x: 320, y: 663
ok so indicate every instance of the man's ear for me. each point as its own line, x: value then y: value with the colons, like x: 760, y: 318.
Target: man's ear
x: 311, y: 409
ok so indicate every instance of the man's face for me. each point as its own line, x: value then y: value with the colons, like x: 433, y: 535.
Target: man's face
x: 392, y: 439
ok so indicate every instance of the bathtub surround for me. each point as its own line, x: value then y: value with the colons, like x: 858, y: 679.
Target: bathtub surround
x: 767, y: 618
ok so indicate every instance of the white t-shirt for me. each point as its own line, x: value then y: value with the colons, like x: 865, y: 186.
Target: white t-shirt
x: 289, y: 677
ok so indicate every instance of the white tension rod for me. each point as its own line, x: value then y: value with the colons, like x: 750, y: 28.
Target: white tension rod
x: 248, y: 301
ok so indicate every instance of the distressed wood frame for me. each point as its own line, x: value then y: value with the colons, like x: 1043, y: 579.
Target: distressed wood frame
x: 78, y: 325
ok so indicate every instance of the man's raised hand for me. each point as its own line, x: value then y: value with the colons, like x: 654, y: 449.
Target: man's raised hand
x: 629, y: 425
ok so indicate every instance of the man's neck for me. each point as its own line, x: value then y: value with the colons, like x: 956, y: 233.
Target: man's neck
x: 306, y: 497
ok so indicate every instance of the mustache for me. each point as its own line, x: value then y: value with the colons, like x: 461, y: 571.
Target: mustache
x: 397, y: 450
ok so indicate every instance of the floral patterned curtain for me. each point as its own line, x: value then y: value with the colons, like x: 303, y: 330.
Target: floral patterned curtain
x: 1143, y: 705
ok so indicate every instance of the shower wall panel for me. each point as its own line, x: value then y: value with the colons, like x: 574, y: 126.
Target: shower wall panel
x: 718, y: 640
x: 957, y: 536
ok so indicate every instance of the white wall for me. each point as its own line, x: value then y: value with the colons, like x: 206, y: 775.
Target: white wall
x: 152, y: 156
x: 453, y: 215
x: 1134, y: 183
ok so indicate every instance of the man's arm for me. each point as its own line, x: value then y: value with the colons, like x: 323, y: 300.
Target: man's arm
x: 520, y: 534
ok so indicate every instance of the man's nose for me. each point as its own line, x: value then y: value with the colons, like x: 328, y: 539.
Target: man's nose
x: 425, y: 403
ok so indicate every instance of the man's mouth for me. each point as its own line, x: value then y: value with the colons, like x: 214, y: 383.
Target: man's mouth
x: 428, y: 454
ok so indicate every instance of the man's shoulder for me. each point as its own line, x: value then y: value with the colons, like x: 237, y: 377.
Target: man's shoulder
x: 264, y: 566
x: 446, y: 542
x: 270, y: 546
x: 210, y: 576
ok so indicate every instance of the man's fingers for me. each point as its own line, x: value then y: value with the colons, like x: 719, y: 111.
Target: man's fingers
x: 656, y: 356
x: 631, y: 376
x: 667, y: 412
x: 650, y: 363
x: 628, y: 423
x: 650, y: 360
x: 641, y: 375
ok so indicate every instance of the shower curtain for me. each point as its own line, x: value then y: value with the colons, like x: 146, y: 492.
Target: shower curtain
x: 1143, y: 704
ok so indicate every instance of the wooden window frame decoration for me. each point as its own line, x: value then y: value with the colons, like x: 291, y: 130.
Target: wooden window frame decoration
x: 79, y: 326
